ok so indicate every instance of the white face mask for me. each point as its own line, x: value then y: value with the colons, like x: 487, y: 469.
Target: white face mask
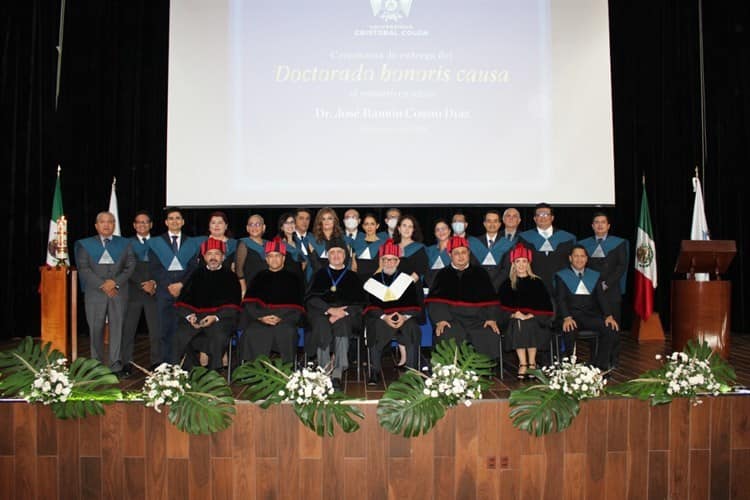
x: 391, y: 223
x: 458, y: 227
x: 351, y: 223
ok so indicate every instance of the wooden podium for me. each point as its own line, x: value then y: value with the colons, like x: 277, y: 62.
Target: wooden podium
x: 701, y: 310
x: 58, y: 293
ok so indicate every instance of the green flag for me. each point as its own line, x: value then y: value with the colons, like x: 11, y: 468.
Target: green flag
x: 57, y: 212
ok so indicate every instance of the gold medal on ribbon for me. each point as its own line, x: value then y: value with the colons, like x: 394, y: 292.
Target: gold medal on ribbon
x: 333, y: 288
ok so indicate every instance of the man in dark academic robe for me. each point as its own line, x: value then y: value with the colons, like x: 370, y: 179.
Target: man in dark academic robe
x: 105, y: 263
x: 462, y: 302
x: 609, y: 255
x: 395, y: 310
x: 207, y: 309
x: 272, y: 308
x: 141, y: 296
x: 334, y: 301
x: 489, y: 250
x: 550, y: 246
x: 581, y: 305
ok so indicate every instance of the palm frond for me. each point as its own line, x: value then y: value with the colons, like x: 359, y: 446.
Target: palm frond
x: 19, y: 366
x: 539, y: 410
x: 93, y: 386
x: 206, y: 407
x: 464, y: 356
x: 263, y: 379
x: 406, y: 409
x: 321, y: 417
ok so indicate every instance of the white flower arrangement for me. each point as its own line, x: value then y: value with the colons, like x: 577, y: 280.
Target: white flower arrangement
x: 51, y: 384
x: 686, y: 376
x: 575, y: 379
x: 453, y: 385
x: 165, y: 386
x: 311, y: 385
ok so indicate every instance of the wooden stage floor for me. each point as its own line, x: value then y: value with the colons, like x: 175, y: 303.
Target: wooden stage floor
x: 634, y: 359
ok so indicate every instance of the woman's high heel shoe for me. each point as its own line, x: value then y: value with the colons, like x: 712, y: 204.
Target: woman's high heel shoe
x: 521, y: 375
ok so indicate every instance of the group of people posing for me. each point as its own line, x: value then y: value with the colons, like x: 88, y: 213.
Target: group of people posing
x: 505, y: 288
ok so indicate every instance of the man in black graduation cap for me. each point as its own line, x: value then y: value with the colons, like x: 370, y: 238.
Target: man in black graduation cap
x: 207, y: 309
x: 334, y: 305
x: 395, y: 309
x: 272, y: 308
x: 463, y: 304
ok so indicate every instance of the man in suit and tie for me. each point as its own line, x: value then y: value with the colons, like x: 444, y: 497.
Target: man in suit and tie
x: 581, y: 305
x: 141, y: 296
x: 489, y: 249
x: 172, y: 259
x: 105, y: 263
x: 511, y: 221
x: 549, y: 245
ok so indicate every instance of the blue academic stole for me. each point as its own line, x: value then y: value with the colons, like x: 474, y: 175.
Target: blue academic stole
x: 318, y: 246
x: 571, y: 279
x: 499, y: 248
x: 558, y: 236
x: 255, y: 247
x: 433, y: 253
x: 374, y: 246
x: 412, y: 248
x: 608, y: 244
x: 189, y: 248
x: 358, y: 243
x: 95, y: 248
x: 140, y: 249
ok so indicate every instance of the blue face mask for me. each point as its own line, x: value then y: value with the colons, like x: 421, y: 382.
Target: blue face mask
x: 458, y: 227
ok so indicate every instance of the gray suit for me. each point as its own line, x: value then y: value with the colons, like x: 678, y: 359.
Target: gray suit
x: 97, y: 304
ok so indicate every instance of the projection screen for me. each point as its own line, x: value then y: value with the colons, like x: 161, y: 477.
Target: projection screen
x: 389, y: 102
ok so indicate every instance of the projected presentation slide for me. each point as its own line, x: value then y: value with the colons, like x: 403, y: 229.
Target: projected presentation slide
x: 389, y: 102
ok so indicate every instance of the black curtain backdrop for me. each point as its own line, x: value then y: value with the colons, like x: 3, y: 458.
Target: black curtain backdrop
x: 111, y: 122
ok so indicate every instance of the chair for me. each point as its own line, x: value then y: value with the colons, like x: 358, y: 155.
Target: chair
x: 234, y: 341
x: 588, y: 335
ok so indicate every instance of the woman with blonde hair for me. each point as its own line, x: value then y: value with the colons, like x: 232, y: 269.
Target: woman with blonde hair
x: 526, y: 299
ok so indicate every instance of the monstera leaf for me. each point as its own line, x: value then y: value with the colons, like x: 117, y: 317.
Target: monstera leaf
x: 93, y: 386
x: 19, y: 366
x: 465, y: 357
x: 540, y: 410
x: 263, y: 380
x: 206, y: 407
x: 406, y: 409
x: 320, y: 417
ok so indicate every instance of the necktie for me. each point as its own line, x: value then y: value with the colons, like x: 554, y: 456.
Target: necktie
x: 580, y: 276
x: 509, y: 236
x: 490, y: 242
x: 175, y: 248
x: 106, y: 242
x: 599, y: 241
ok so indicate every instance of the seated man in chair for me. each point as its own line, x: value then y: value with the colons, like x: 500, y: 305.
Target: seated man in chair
x: 334, y: 306
x: 272, y: 308
x: 581, y: 305
x: 207, y: 309
x: 463, y: 304
x: 395, y: 309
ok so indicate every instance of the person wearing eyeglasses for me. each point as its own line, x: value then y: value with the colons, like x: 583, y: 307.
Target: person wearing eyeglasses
x: 550, y: 246
x: 395, y: 310
x: 251, y: 255
x: 141, y: 296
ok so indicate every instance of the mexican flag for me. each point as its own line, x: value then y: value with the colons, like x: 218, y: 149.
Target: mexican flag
x: 57, y: 212
x: 645, y: 263
x: 113, y: 208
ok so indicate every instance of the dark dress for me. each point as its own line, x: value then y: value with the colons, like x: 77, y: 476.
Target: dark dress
x: 529, y: 297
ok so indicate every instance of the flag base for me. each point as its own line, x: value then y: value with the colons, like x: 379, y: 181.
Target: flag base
x: 648, y: 330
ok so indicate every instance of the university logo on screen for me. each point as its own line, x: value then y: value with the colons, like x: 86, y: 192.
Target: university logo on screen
x: 391, y: 10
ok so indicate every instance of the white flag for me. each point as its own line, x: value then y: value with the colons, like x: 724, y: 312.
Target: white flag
x: 113, y: 208
x: 699, y: 228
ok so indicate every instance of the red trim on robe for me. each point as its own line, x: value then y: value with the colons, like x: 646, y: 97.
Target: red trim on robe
x: 458, y: 303
x: 526, y: 310
x: 208, y: 310
x: 272, y: 306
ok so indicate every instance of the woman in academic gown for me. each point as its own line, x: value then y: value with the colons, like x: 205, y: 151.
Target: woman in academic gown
x: 437, y: 254
x: 366, y: 256
x: 525, y: 298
